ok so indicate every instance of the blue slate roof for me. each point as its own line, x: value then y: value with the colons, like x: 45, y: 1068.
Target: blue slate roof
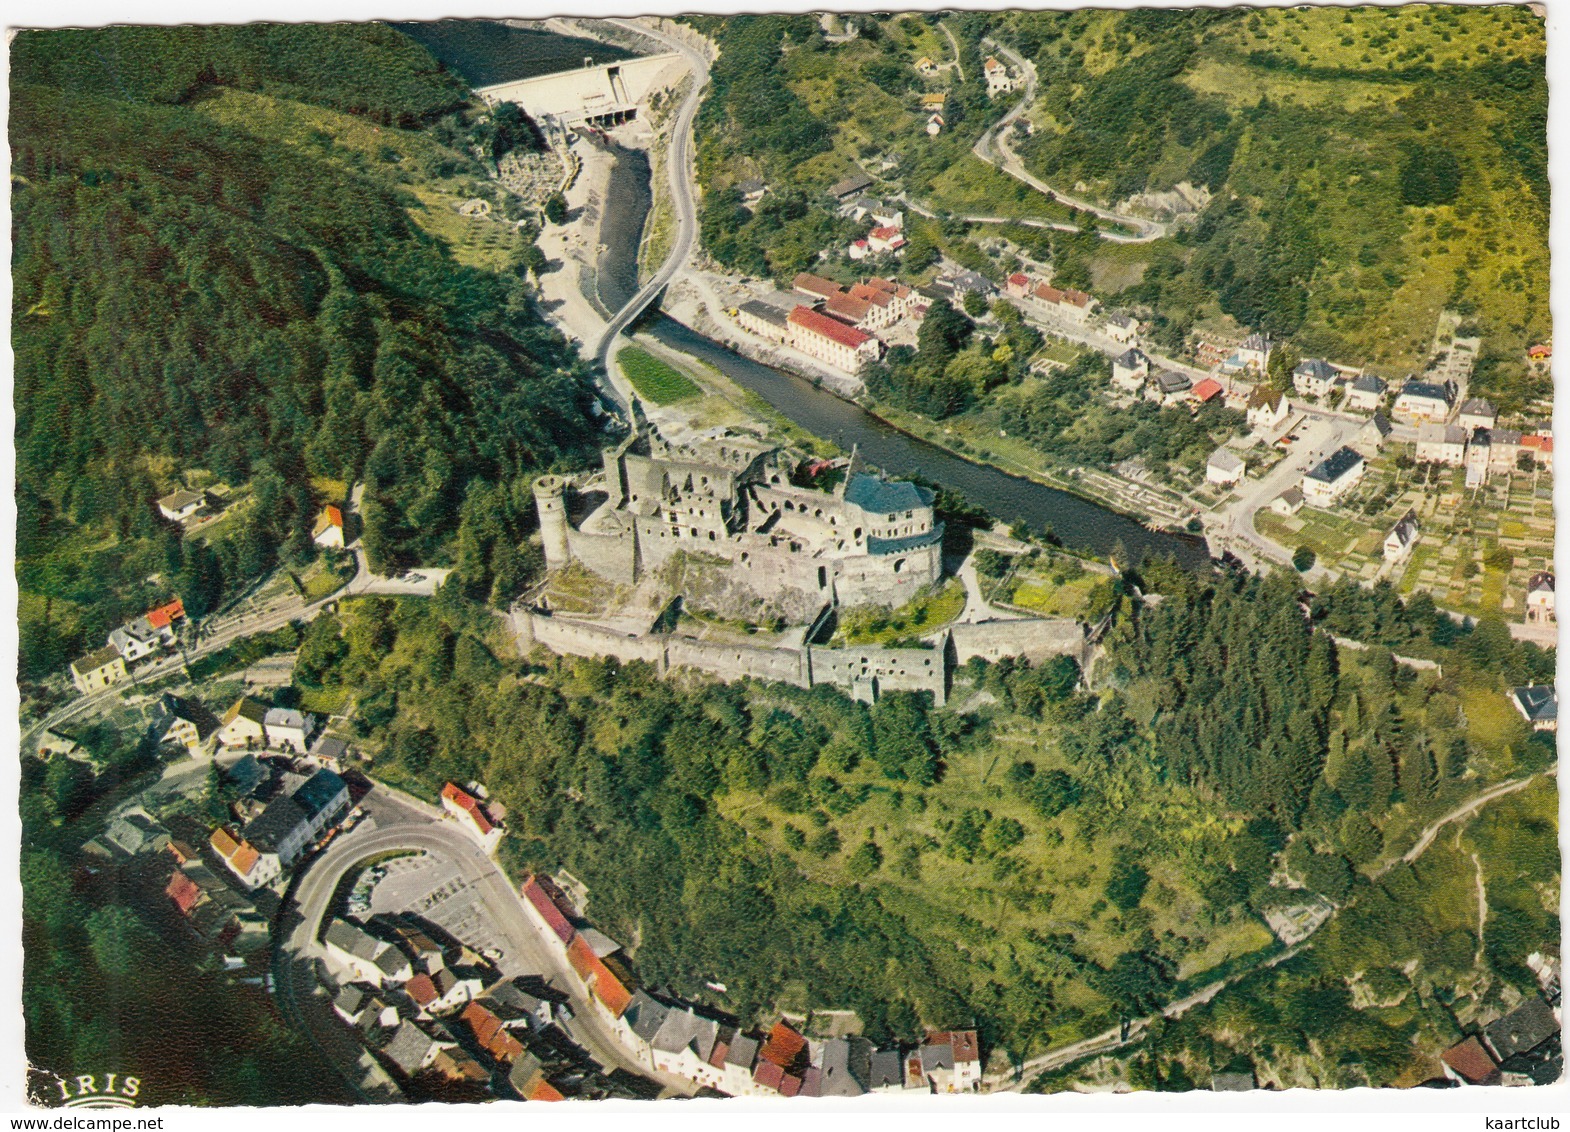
x: 319, y: 791
x: 1336, y: 465
x: 877, y: 545
x: 1315, y: 367
x: 1426, y: 389
x: 1538, y: 702
x: 882, y: 497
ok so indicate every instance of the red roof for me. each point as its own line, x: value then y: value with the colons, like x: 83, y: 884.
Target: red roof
x: 551, y: 904
x: 1536, y: 443
x: 164, y: 615
x: 962, y: 1042
x: 334, y: 516
x: 1471, y: 1061
x: 543, y: 1090
x: 768, y: 1074
x: 816, y: 284
x: 183, y: 891
x: 825, y: 327
x: 422, y: 990
x: 1047, y: 293
x: 1541, y: 350
x: 504, y: 1047
x: 601, y: 980
x: 470, y: 805
x: 245, y: 858
x: 1019, y: 280
x: 877, y: 282
x: 783, y: 1046
x: 884, y: 233
x: 717, y: 1055
x: 789, y: 1085
x: 870, y: 294
x: 481, y: 1021
x: 1206, y: 389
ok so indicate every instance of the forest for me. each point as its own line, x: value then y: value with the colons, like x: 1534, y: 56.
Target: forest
x: 1036, y: 858
x: 195, y: 304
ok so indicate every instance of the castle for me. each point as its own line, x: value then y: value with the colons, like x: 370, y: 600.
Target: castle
x: 730, y: 500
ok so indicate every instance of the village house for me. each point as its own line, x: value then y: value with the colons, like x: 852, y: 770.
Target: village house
x: 1421, y: 401
x: 289, y: 730
x: 765, y: 320
x: 1476, y: 413
x: 1077, y: 306
x: 1538, y: 705
x: 1169, y: 387
x: 1206, y: 391
x: 251, y: 865
x: 1225, y: 467
x: 1540, y: 599
x: 1122, y: 329
x: 829, y: 340
x: 471, y: 813
x: 852, y: 312
x: 52, y: 743
x: 752, y: 191
x: 935, y: 102
x: 179, y: 506
x: 1371, y: 437
x: 1333, y: 477
x: 1252, y: 355
x: 815, y: 286
x: 887, y: 216
x: 1542, y: 449
x: 851, y: 187
x: 948, y: 1061
x: 1468, y: 1063
x: 98, y: 670
x: 885, y: 240
x: 1268, y: 409
x: 1441, y: 444
x: 1401, y: 539
x: 901, y: 297
x: 964, y: 282
x: 925, y: 66
x: 1365, y: 394
x: 934, y: 125
x: 1288, y: 503
x: 183, y: 723
x: 999, y: 81
x: 243, y: 724
x: 134, y: 640
x: 1129, y: 370
x: 1314, y: 377
x: 328, y: 530
x: 1504, y: 448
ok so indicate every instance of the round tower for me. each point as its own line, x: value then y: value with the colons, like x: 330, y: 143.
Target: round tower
x: 550, y: 500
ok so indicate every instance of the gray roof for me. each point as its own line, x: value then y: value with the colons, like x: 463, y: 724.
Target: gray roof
x: 768, y: 312
x: 686, y: 1029
x: 886, y: 1069
x: 1130, y: 359
x: 645, y: 1015
x: 281, y: 818
x: 1381, y: 424
x: 1538, y: 702
x: 934, y: 1057
x: 180, y: 500
x: 1171, y: 381
x: 320, y: 792
x: 347, y: 937
x: 1122, y: 320
x: 390, y: 961
x: 1256, y: 342
x: 1336, y: 465
x: 1524, y: 1028
x: 1316, y: 368
x: 285, y: 717
x: 884, y: 497
x: 1504, y: 436
x: 1427, y: 389
x: 1405, y: 530
x: 1225, y: 460
x: 1435, y: 433
x: 330, y: 747
x: 743, y: 1051
x: 846, y: 1068
x: 409, y: 1048
x: 852, y: 184
x: 1477, y: 407
x: 751, y: 185
x: 351, y: 998
x: 1292, y: 497
x: 1368, y: 383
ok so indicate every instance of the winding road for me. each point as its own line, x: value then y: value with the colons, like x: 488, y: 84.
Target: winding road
x: 679, y: 169
x: 993, y: 148
x: 406, y: 824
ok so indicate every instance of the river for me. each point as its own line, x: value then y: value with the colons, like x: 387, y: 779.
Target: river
x: 477, y: 48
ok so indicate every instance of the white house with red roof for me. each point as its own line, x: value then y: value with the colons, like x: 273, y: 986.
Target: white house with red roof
x: 885, y: 238
x: 829, y: 340
x: 328, y: 530
x: 471, y: 813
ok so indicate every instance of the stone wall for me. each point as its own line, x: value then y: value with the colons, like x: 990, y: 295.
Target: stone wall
x: 611, y: 556
x: 1036, y: 639
x: 870, y: 671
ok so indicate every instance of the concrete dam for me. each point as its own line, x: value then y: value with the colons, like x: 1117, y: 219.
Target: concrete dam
x: 604, y: 94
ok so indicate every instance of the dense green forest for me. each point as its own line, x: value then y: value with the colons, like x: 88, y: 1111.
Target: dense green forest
x: 1369, y: 168
x: 195, y: 303
x: 1035, y: 858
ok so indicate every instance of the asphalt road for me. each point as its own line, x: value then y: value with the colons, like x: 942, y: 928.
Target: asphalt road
x: 454, y: 855
x: 1006, y: 160
x: 678, y: 163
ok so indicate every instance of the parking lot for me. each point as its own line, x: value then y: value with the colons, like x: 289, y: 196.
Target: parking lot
x: 435, y: 889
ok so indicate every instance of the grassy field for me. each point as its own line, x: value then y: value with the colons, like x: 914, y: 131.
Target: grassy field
x: 657, y: 380
x: 438, y: 179
x: 924, y: 613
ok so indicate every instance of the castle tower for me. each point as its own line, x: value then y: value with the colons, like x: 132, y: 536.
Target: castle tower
x: 550, y: 500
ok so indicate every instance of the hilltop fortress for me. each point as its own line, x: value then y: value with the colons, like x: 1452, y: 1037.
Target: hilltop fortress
x: 719, y: 513
x: 785, y: 549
